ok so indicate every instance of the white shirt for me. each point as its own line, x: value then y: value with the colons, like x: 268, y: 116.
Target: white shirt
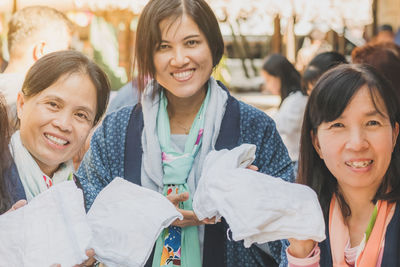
x: 289, y: 120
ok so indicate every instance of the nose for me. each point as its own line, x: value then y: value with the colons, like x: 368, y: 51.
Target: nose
x: 357, y: 140
x: 63, y: 121
x: 179, y: 58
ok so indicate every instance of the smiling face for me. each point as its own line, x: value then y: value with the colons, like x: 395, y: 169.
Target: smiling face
x: 183, y: 60
x: 357, y: 146
x: 56, y: 121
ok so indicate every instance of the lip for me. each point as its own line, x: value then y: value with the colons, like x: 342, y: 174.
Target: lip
x: 360, y: 169
x: 185, y: 74
x: 53, y: 144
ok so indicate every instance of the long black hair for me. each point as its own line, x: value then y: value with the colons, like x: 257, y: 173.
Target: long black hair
x: 331, y: 95
x: 278, y: 66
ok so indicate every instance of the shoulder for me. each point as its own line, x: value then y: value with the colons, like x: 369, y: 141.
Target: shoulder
x: 296, y: 98
x: 254, y: 118
x: 115, y: 123
x: 293, y: 106
x: 111, y: 134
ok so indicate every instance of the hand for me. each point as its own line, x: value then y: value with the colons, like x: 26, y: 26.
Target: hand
x: 17, y: 205
x: 55, y: 265
x: 300, y: 248
x: 189, y: 217
x: 252, y: 167
x: 90, y: 261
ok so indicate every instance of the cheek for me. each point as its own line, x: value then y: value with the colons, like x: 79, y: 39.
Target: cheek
x: 329, y: 146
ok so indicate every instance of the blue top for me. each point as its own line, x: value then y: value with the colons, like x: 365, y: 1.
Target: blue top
x: 14, y: 184
x: 108, y: 158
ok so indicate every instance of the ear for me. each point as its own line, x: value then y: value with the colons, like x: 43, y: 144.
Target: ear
x: 315, y: 142
x: 39, y: 50
x: 395, y: 134
x: 20, y: 104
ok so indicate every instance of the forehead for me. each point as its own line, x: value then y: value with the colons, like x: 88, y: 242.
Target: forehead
x: 178, y: 27
x: 366, y: 99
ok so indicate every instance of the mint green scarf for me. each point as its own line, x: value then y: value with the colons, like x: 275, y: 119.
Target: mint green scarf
x: 176, y: 168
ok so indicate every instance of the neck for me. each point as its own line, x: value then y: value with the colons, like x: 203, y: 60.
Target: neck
x: 184, y: 108
x: 360, y: 202
x: 18, y: 66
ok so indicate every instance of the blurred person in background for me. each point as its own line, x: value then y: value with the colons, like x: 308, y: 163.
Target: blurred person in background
x: 312, y: 46
x: 385, y: 35
x: 3, y: 61
x: 281, y: 78
x: 384, y: 57
x: 318, y: 65
x: 32, y: 32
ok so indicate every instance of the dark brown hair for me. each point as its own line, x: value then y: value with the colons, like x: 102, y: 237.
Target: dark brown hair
x: 331, y: 95
x: 5, y: 157
x: 148, y: 36
x: 49, y: 68
x: 278, y: 66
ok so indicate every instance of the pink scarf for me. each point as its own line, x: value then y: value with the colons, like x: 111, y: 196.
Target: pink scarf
x: 339, y: 235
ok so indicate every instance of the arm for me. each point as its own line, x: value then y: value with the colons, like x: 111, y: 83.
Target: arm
x: 271, y: 158
x: 305, y: 253
x: 105, y: 158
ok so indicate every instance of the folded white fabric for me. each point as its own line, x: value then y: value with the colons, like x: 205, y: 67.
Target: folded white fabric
x: 51, y: 228
x: 126, y: 220
x: 258, y: 207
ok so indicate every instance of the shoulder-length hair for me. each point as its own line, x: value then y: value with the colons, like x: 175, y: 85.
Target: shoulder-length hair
x: 331, y: 95
x: 5, y: 156
x: 48, y: 69
x: 278, y: 66
x: 148, y: 36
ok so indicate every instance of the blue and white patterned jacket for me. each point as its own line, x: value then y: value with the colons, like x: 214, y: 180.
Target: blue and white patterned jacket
x: 116, y: 150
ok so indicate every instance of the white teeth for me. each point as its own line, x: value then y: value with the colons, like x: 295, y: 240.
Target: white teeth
x: 359, y: 164
x: 56, y: 140
x: 182, y: 75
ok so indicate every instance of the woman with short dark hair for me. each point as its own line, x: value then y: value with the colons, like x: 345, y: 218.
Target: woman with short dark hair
x: 63, y: 97
x: 184, y: 113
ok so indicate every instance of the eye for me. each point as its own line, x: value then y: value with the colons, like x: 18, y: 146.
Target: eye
x: 192, y: 43
x: 82, y: 116
x: 373, y: 123
x: 336, y: 125
x: 163, y: 46
x: 52, y: 105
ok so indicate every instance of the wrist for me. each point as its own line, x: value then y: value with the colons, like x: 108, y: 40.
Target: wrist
x: 301, y: 248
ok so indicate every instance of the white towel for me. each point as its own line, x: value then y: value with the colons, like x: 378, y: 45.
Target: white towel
x: 258, y: 207
x: 126, y: 220
x: 51, y: 228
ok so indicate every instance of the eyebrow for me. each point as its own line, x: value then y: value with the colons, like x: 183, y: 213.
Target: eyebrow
x: 370, y: 114
x: 186, y: 38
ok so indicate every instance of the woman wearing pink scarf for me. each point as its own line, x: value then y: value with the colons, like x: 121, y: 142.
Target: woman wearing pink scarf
x: 350, y: 158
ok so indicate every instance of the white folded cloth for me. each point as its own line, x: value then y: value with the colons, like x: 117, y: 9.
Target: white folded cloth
x: 258, y: 207
x: 126, y: 220
x: 51, y: 228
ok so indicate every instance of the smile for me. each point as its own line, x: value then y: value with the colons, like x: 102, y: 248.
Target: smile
x: 359, y: 164
x: 56, y: 140
x: 183, y: 75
